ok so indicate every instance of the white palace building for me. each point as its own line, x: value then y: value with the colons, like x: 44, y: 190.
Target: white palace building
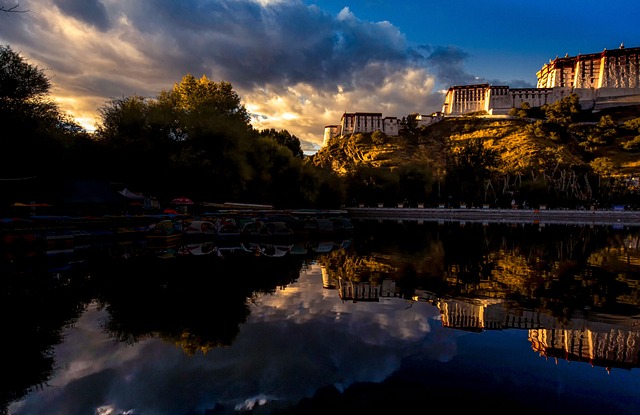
x: 369, y: 122
x: 610, y: 78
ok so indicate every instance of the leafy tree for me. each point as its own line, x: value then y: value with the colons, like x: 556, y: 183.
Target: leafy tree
x: 604, y: 166
x: 138, y: 142
x: 412, y: 122
x: 378, y: 137
x: 633, y: 125
x: 284, y: 138
x: 415, y: 182
x: 526, y: 111
x: 215, y: 126
x: 195, y: 139
x: 632, y: 145
x: 564, y: 111
x: 322, y: 188
x: 372, y: 185
x: 276, y: 173
x: 42, y: 134
x: 468, y: 169
x: 19, y: 80
x: 205, y: 98
x: 521, y: 112
x: 197, y: 132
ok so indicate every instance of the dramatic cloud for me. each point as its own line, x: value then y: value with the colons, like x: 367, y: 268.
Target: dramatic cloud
x: 295, y: 66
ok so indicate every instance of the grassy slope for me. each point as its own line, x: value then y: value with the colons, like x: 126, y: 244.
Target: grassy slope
x: 519, y: 149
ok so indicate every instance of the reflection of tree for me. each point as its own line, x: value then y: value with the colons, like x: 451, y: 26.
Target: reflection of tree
x: 558, y: 268
x: 196, y: 304
x: 36, y: 306
x: 388, y: 250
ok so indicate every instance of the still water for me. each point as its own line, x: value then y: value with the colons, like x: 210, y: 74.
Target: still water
x: 506, y: 318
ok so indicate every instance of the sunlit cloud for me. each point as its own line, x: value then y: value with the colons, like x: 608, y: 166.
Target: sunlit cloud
x: 294, y: 66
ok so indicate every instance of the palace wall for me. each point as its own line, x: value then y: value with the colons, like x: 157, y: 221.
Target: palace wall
x: 601, y: 80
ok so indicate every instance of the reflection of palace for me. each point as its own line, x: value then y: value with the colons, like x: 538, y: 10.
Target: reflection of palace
x: 611, y: 265
x: 600, y: 343
x: 365, y: 290
x: 350, y: 290
x: 603, y: 343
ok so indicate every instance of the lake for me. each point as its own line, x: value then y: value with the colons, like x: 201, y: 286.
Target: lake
x: 401, y: 315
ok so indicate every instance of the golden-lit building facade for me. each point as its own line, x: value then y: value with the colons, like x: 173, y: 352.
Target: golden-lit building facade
x: 362, y: 122
x: 616, y: 68
x: 601, y: 80
x: 599, y: 342
x: 600, y: 345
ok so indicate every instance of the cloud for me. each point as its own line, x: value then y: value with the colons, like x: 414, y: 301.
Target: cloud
x: 447, y: 63
x: 295, y: 66
x: 91, y: 12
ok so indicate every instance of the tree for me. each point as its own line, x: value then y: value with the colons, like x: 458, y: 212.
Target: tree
x: 284, y: 138
x: 38, y: 136
x: 564, y: 111
x: 412, y: 122
x: 378, y: 137
x: 196, y: 139
x: 203, y: 97
x: 604, y: 167
x: 372, y: 185
x: 415, y: 182
x: 19, y: 80
x: 522, y: 112
x: 139, y: 137
x: 12, y: 9
x: 469, y: 167
x: 215, y: 131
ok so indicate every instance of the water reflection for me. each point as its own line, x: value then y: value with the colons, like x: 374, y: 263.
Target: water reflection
x: 400, y: 313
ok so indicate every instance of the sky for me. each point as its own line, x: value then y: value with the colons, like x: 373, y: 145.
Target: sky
x: 299, y: 65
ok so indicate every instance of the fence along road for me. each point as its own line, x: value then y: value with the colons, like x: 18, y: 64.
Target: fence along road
x: 548, y: 216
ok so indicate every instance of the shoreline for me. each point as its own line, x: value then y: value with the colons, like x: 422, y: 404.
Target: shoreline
x: 533, y: 216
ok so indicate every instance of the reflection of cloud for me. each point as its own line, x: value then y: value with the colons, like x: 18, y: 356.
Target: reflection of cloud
x: 295, y: 66
x: 297, y: 340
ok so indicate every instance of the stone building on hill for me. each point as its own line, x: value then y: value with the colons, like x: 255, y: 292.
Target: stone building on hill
x: 369, y: 122
x: 606, y: 79
x: 610, y: 78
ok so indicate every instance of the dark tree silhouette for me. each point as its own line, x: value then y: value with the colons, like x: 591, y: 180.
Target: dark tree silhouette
x: 12, y: 9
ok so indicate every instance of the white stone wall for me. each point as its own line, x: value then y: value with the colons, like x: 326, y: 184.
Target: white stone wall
x: 464, y: 99
x: 391, y: 126
x: 360, y: 122
x: 621, y: 71
x: 330, y: 131
x: 425, y: 120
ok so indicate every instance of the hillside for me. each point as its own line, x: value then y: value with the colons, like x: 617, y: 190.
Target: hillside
x: 518, y: 147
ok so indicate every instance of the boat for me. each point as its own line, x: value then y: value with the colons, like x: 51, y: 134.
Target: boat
x: 227, y: 228
x: 198, y: 249
x: 267, y: 249
x: 341, y: 224
x: 198, y: 229
x: 260, y: 228
x: 164, y: 233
